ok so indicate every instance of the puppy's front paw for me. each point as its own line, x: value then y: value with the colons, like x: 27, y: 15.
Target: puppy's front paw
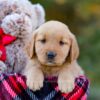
x: 35, y: 82
x: 65, y: 84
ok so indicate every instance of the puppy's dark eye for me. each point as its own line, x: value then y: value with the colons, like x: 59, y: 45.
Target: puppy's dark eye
x: 61, y: 43
x: 43, y: 41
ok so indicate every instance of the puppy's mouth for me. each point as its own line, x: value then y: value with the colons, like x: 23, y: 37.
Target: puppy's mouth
x: 50, y: 63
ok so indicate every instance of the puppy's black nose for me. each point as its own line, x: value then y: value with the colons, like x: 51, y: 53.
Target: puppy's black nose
x: 51, y: 55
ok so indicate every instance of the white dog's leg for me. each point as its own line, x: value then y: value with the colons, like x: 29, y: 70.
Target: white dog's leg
x: 3, y: 67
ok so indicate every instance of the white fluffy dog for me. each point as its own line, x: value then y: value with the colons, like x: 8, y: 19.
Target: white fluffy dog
x: 19, y: 18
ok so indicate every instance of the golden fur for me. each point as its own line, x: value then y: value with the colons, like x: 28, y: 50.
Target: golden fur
x: 56, y: 37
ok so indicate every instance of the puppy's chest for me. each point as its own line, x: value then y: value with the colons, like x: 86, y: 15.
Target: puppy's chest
x: 48, y: 71
x: 15, y: 54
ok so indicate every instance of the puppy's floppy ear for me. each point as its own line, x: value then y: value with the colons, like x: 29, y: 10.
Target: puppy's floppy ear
x: 74, y: 49
x: 30, y: 47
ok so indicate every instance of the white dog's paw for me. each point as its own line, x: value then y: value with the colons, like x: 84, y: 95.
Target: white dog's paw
x: 35, y: 83
x: 16, y: 24
x: 10, y: 24
x: 65, y: 85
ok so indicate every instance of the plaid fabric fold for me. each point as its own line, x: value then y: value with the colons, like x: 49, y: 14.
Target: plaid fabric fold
x: 13, y: 87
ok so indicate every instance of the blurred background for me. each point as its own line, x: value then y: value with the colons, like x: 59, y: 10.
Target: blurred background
x: 83, y: 19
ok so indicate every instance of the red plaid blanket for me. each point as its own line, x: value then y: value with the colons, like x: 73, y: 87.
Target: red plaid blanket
x: 13, y: 87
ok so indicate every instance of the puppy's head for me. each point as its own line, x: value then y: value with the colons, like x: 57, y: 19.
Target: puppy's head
x: 53, y: 44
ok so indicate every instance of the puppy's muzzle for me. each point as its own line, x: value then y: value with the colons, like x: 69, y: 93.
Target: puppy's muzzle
x: 51, y: 55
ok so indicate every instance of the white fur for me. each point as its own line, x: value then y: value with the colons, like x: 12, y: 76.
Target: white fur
x: 16, y: 23
x: 19, y: 18
x: 25, y: 11
x: 3, y: 68
x: 41, y: 15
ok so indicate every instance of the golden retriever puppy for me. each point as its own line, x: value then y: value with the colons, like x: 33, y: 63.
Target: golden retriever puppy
x: 52, y: 51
